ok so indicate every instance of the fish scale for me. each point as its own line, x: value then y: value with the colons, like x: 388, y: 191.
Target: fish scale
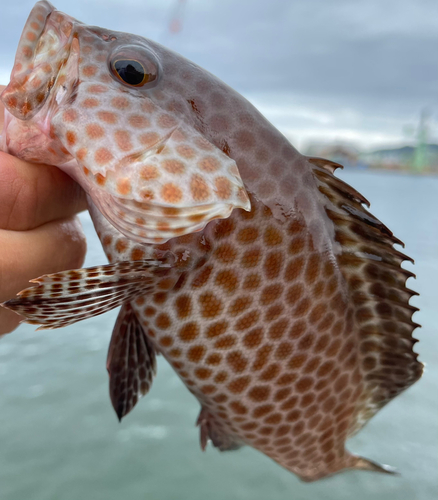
x: 287, y: 380
x: 277, y: 298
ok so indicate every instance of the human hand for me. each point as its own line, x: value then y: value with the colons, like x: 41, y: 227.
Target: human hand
x: 39, y: 231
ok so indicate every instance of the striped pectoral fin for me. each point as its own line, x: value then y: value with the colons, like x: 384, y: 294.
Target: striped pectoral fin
x: 211, y: 429
x: 64, y: 298
x: 131, y: 362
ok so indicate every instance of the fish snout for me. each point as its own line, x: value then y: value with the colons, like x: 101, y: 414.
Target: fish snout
x: 44, y: 49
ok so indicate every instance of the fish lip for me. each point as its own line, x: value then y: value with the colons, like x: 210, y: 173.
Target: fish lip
x: 43, y: 50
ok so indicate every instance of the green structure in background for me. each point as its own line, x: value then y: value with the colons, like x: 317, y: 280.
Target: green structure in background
x: 420, y: 156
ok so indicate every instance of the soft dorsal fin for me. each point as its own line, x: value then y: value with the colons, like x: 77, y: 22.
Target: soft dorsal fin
x: 377, y: 282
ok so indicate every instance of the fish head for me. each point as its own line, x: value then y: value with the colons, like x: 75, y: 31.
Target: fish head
x: 106, y: 107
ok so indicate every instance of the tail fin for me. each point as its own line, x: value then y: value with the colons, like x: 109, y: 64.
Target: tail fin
x: 348, y: 462
x: 361, y: 463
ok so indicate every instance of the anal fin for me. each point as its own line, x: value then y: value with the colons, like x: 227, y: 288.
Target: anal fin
x: 131, y: 362
x: 211, y: 429
x: 67, y: 297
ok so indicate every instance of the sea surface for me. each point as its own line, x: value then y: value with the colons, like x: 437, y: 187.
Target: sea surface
x: 60, y: 439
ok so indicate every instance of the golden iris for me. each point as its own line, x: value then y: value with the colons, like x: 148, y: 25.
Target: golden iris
x: 132, y: 72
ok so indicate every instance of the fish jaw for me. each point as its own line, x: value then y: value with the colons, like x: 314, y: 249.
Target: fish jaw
x: 43, y: 50
x: 44, y: 76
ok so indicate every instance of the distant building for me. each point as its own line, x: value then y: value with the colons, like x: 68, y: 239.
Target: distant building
x: 345, y: 154
x: 404, y: 158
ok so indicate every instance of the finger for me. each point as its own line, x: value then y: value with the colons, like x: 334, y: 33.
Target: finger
x: 32, y: 195
x: 55, y: 246
x: 8, y: 321
x: 2, y: 87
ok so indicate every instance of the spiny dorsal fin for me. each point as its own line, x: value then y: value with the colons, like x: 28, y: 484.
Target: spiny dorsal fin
x: 377, y: 282
x: 329, y: 165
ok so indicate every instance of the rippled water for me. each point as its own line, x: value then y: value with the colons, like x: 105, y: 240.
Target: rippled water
x: 60, y: 439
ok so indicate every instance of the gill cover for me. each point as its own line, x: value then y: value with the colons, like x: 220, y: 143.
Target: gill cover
x: 173, y: 188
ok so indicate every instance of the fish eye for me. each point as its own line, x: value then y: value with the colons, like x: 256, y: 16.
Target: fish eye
x: 134, y: 71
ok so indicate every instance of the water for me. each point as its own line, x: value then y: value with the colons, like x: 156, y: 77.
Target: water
x: 60, y: 439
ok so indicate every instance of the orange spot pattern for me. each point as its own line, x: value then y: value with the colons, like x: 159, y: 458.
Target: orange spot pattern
x: 248, y: 322
x: 171, y: 193
x: 94, y: 131
x: 256, y: 323
x: 103, y: 156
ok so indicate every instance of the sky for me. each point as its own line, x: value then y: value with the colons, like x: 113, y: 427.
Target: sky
x: 355, y: 71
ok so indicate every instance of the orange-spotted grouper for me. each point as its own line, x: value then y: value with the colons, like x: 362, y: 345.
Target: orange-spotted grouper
x: 278, y: 299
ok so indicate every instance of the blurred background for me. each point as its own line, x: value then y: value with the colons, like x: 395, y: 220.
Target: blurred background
x: 353, y: 81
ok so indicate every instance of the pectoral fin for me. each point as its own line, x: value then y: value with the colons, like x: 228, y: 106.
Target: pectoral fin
x: 64, y: 298
x: 131, y: 362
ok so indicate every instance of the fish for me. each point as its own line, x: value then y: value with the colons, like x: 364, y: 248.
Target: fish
x: 276, y: 296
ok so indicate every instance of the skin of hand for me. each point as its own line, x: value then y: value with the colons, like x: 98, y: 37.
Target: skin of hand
x: 39, y: 230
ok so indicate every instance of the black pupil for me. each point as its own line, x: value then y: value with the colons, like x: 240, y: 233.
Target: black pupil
x: 131, y: 72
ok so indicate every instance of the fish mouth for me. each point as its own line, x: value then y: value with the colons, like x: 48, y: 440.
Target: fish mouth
x: 43, y: 61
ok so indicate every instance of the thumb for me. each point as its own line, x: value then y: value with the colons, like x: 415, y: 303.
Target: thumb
x: 55, y: 246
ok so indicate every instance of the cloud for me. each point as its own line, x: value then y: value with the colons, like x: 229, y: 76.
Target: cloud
x: 367, y: 67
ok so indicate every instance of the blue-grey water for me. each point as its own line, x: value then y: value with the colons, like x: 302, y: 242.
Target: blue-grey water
x: 60, y: 439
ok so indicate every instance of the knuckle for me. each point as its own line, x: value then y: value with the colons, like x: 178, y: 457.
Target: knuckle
x: 8, y: 321
x: 74, y: 243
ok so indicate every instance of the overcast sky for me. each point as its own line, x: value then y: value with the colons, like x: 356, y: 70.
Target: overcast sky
x: 355, y: 70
